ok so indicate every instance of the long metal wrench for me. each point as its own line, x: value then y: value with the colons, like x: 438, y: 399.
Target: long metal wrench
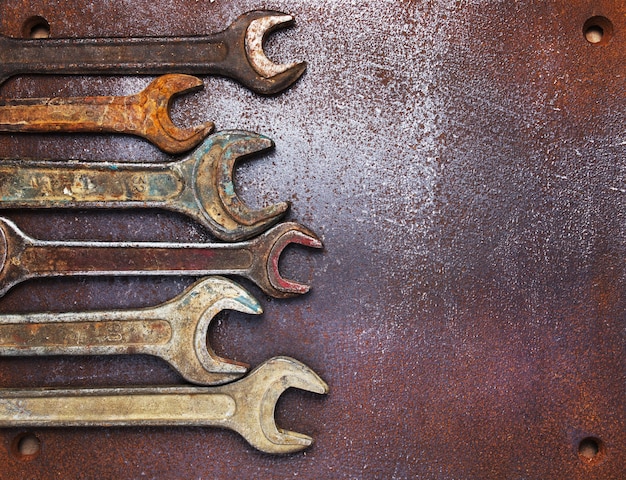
x: 236, y: 52
x: 145, y: 114
x: 175, y: 331
x: 200, y: 185
x: 245, y: 406
x: 23, y: 257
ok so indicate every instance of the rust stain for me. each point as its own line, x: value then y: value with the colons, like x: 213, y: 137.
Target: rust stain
x: 463, y: 163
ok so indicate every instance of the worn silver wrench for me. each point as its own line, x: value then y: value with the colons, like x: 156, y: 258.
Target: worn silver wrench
x: 245, y: 406
x: 175, y: 331
x: 199, y: 186
x: 23, y: 257
x: 145, y: 114
x: 236, y: 52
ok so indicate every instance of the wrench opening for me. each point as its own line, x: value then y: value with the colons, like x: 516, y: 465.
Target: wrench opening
x: 257, y: 71
x: 160, y: 129
x: 238, y: 210
x: 192, y: 312
x: 206, y: 356
x: 265, y: 385
x: 256, y: 34
x: 214, y: 189
x: 286, y: 234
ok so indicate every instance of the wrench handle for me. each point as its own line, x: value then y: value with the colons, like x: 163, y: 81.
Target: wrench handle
x: 69, y: 334
x: 26, y: 184
x: 114, y: 56
x: 108, y: 407
x: 86, y: 114
x: 91, y: 258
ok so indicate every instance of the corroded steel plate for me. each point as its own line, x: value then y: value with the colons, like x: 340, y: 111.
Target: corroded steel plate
x: 464, y: 162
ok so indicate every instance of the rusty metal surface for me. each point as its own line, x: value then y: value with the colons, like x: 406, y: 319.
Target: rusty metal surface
x: 463, y: 161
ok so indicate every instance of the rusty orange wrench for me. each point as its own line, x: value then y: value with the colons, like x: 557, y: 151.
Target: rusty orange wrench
x: 236, y: 52
x: 145, y: 114
x: 23, y: 257
x: 199, y: 186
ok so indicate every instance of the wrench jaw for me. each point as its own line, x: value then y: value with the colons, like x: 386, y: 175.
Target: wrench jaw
x: 276, y: 240
x: 216, y: 200
x: 157, y: 99
x: 255, y: 70
x: 256, y: 34
x: 191, y: 354
x: 255, y: 420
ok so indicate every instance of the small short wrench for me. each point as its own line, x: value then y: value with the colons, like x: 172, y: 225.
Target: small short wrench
x: 200, y: 186
x: 236, y: 52
x: 23, y: 257
x: 145, y: 114
x: 175, y: 331
x: 245, y: 406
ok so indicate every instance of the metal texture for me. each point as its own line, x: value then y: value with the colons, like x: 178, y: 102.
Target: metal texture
x: 463, y: 162
x: 236, y: 52
x: 175, y: 331
x: 246, y: 406
x: 23, y: 258
x: 200, y: 186
x: 145, y: 114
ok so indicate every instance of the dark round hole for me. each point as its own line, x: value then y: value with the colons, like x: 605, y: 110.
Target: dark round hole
x: 26, y: 446
x: 591, y: 450
x: 598, y: 30
x: 36, y: 27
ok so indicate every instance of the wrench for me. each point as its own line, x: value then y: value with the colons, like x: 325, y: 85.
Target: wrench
x: 200, y: 186
x: 175, y: 331
x: 236, y: 52
x: 146, y: 114
x: 23, y: 257
x: 245, y: 406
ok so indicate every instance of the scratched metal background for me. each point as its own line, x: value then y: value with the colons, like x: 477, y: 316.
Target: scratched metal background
x: 464, y: 161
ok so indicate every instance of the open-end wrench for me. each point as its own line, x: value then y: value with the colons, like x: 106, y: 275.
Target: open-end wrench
x: 236, y: 52
x: 145, y: 114
x: 245, y: 406
x: 200, y: 186
x: 23, y: 257
x: 175, y: 331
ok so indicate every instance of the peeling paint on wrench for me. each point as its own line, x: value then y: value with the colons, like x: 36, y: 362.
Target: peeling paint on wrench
x: 145, y: 114
x: 236, y: 52
x: 23, y: 257
x: 200, y: 186
x: 175, y: 331
x: 246, y: 406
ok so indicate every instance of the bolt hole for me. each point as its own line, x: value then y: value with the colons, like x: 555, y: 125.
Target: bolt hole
x: 594, y: 34
x: 591, y: 450
x: 598, y: 31
x: 26, y: 446
x: 36, y: 27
